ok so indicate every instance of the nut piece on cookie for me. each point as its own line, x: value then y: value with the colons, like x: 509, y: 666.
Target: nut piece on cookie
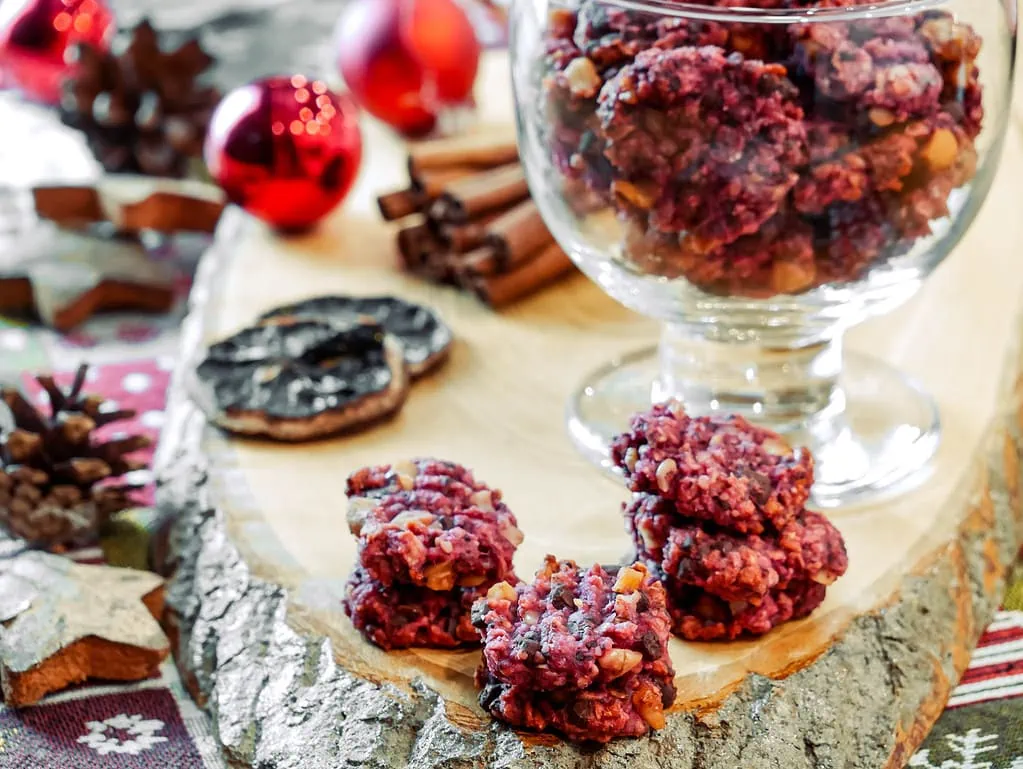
x: 720, y: 469
x: 582, y: 653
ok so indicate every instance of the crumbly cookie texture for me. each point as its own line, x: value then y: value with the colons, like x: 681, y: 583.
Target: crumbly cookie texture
x: 724, y: 525
x: 699, y: 616
x: 724, y: 470
x: 733, y: 566
x: 581, y: 652
x: 420, y: 537
x: 431, y: 539
x: 762, y: 159
x: 401, y: 616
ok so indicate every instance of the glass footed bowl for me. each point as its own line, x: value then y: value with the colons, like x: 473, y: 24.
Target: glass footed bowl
x: 760, y: 179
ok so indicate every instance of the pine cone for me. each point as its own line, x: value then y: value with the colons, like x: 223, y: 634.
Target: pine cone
x: 52, y: 473
x: 143, y: 110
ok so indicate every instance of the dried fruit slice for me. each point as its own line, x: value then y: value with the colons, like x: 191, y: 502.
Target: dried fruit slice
x: 423, y: 335
x: 303, y: 380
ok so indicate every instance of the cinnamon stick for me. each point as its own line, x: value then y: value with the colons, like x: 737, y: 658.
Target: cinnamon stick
x: 431, y: 184
x: 517, y: 235
x: 475, y: 264
x: 415, y: 242
x: 503, y: 289
x: 479, y: 151
x: 476, y: 195
x: 422, y: 190
x: 424, y: 255
x: 399, y: 204
x: 463, y: 238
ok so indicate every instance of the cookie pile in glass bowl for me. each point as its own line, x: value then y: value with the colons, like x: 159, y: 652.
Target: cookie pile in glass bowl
x: 761, y: 175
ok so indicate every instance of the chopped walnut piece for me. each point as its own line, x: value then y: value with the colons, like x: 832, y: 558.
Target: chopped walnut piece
x: 618, y: 662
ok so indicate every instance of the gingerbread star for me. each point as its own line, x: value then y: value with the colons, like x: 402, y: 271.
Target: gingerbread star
x: 65, y: 277
x: 62, y: 623
x: 133, y: 204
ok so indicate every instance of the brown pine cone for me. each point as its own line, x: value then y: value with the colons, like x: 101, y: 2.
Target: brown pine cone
x: 142, y: 110
x: 54, y: 478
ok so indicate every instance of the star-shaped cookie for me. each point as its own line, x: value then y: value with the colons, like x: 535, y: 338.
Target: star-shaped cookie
x: 65, y: 277
x: 62, y: 623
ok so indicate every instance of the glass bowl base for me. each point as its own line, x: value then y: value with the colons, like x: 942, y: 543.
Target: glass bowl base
x: 874, y: 439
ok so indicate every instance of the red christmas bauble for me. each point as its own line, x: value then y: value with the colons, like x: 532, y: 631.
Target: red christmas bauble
x: 285, y: 149
x: 408, y: 61
x: 35, y: 36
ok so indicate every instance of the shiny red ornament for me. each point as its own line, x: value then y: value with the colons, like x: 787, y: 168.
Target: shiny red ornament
x: 35, y: 36
x: 285, y: 149
x: 408, y: 61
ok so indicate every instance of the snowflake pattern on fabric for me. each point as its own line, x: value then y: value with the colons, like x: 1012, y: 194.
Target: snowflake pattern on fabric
x: 970, y: 748
x: 140, y: 734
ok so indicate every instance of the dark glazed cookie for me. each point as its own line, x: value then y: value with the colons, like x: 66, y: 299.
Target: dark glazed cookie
x: 401, y: 616
x: 581, y: 652
x: 720, y: 469
x: 303, y: 380
x: 424, y: 337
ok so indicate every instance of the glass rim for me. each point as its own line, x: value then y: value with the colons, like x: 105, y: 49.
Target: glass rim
x: 689, y: 10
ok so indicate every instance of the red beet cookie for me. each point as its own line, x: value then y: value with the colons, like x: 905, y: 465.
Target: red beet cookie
x: 720, y: 469
x: 699, y: 616
x: 597, y: 642
x: 422, y: 537
x: 733, y: 566
x: 400, y: 616
x: 703, y: 142
x: 431, y: 539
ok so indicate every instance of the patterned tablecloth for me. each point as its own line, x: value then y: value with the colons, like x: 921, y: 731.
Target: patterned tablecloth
x: 154, y: 723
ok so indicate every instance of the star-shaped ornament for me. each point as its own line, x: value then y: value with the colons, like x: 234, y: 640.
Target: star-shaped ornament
x: 62, y: 623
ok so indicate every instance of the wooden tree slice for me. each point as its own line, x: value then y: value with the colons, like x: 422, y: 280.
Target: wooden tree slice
x: 261, y: 551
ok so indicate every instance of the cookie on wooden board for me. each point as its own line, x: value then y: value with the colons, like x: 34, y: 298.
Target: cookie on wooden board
x: 62, y: 623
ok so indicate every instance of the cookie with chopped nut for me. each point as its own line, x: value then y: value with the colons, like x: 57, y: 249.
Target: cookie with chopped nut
x: 721, y: 469
x: 731, y: 566
x: 403, y: 616
x: 597, y: 714
x: 423, y: 537
x: 592, y: 645
x: 368, y: 484
x: 699, y: 616
x: 431, y: 537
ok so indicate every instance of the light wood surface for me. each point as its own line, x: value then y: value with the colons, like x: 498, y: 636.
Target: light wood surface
x: 498, y: 407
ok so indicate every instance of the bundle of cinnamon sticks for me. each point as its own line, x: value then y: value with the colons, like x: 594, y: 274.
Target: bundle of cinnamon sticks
x: 467, y: 220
